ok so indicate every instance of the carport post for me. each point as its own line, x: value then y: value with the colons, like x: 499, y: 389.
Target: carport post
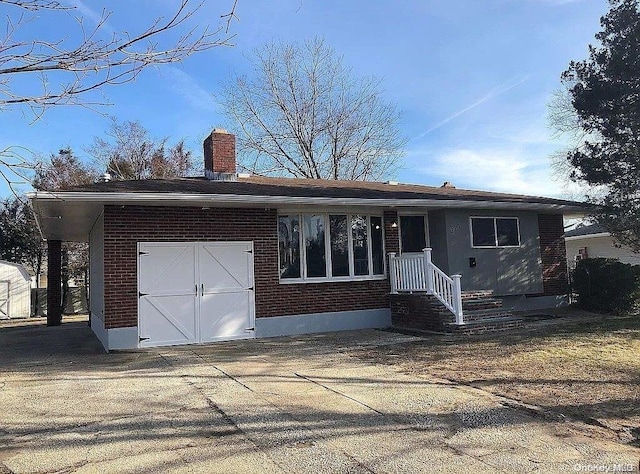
x: 54, y: 282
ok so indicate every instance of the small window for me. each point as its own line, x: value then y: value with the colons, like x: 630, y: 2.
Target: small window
x: 507, y: 232
x: 377, y: 250
x: 360, y: 248
x: 495, y: 232
x: 339, y: 238
x: 289, y: 246
x: 314, y: 245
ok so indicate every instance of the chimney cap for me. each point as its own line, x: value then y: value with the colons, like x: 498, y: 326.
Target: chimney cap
x: 220, y: 130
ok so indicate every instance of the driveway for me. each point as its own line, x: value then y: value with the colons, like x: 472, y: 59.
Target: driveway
x: 297, y: 404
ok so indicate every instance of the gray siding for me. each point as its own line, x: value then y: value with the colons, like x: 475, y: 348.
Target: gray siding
x: 508, y: 271
x: 438, y: 240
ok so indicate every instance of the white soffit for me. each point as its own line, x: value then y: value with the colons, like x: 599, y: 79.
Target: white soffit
x: 70, y: 215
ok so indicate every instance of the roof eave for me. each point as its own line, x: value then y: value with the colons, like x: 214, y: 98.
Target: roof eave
x: 262, y: 200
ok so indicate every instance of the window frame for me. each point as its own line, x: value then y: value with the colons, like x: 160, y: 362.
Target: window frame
x: 495, y: 232
x: 327, y: 244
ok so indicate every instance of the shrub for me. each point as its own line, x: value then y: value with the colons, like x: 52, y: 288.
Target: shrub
x: 604, y: 284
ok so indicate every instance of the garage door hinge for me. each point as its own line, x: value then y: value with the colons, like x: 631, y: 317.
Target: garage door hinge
x: 250, y: 329
x: 143, y: 253
x: 140, y: 294
x: 143, y: 338
x: 249, y: 251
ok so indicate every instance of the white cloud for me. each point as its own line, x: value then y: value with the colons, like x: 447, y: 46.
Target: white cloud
x: 498, y: 170
x: 186, y: 86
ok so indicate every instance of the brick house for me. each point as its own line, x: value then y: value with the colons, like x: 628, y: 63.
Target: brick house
x: 230, y: 256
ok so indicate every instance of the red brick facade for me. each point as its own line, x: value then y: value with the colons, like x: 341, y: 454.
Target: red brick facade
x: 125, y: 226
x: 220, y: 152
x: 553, y: 252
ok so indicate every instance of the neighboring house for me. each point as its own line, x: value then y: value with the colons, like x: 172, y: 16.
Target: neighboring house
x: 591, y: 241
x: 15, y: 291
x: 229, y: 256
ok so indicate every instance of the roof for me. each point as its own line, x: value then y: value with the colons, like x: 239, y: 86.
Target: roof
x: 296, y: 187
x: 590, y: 230
x: 69, y: 214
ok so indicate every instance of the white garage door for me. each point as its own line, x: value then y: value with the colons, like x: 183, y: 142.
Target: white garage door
x: 192, y: 292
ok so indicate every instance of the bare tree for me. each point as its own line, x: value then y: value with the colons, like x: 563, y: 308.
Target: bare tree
x: 62, y: 171
x: 39, y: 73
x: 129, y: 152
x: 303, y: 114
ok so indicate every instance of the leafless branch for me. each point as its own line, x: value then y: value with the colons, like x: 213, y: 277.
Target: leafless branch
x: 68, y: 72
x: 16, y: 167
x: 34, y: 5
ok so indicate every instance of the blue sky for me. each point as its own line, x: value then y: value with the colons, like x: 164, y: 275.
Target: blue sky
x: 471, y: 78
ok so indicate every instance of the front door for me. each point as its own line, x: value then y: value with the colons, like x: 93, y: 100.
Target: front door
x: 193, y: 292
x: 413, y: 234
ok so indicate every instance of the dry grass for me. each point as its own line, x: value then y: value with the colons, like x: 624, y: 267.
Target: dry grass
x: 589, y: 371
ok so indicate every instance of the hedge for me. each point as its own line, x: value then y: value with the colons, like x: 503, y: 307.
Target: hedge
x: 604, y: 284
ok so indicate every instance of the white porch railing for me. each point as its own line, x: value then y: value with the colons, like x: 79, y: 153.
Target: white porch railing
x: 417, y: 273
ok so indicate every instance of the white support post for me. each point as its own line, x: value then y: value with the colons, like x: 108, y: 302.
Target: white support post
x: 393, y: 274
x: 427, y: 269
x: 457, y: 298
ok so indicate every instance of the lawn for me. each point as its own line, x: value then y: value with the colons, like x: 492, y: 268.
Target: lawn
x: 585, y: 371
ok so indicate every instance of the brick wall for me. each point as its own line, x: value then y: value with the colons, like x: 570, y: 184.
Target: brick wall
x: 125, y: 226
x: 552, y: 250
x: 417, y: 311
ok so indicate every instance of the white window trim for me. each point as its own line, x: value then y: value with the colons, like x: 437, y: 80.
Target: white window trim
x: 426, y: 228
x: 327, y: 245
x: 495, y: 232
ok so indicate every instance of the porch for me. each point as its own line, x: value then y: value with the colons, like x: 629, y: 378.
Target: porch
x: 423, y: 297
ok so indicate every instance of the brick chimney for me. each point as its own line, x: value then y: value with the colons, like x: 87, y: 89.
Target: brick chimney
x: 220, y: 156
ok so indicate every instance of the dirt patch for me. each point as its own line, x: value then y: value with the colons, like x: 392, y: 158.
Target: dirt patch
x: 584, y: 371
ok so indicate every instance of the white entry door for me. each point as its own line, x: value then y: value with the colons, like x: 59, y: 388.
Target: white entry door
x: 193, y: 292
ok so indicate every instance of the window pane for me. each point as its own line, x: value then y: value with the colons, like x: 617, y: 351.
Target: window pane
x: 507, y: 232
x: 377, y: 251
x: 314, y: 245
x: 360, y: 249
x: 289, y: 245
x: 339, y: 245
x: 484, y: 234
x: 412, y: 233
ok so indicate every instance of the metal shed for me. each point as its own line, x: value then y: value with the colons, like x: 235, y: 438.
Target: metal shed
x: 15, y: 291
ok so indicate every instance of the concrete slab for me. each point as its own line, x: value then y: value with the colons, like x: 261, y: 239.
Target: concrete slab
x: 296, y: 404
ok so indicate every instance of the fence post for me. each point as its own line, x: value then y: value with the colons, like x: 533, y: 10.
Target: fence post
x: 392, y: 273
x: 457, y: 298
x: 427, y: 269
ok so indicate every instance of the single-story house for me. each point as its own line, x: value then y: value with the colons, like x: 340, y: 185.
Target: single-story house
x: 227, y: 256
x: 15, y: 291
x: 592, y: 241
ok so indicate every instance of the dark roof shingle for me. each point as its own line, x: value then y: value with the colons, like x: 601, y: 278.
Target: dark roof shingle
x: 296, y: 187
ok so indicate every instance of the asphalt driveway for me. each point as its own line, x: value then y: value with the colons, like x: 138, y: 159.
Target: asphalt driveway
x: 299, y: 404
